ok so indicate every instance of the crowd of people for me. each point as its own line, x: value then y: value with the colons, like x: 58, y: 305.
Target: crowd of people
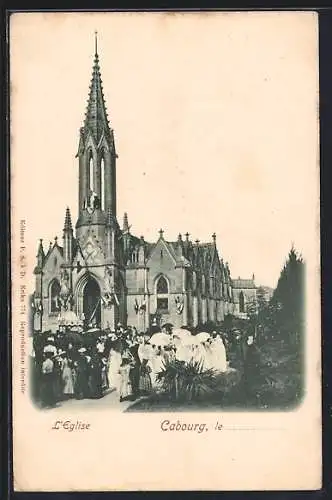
x: 82, y: 365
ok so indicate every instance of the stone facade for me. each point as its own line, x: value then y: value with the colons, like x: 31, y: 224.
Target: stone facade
x: 104, y: 274
x: 244, y: 294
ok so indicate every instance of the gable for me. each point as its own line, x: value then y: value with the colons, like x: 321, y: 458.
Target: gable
x: 52, y: 265
x: 161, y: 256
x: 53, y: 260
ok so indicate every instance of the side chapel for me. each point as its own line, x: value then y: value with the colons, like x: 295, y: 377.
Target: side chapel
x: 103, y: 274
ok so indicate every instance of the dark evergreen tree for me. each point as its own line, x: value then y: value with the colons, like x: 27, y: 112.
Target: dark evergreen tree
x: 288, y: 300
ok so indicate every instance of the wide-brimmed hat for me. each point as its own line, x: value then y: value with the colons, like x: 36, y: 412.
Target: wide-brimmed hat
x: 82, y: 349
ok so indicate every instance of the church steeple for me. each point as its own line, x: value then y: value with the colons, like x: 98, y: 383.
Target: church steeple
x: 96, y: 120
x: 96, y: 152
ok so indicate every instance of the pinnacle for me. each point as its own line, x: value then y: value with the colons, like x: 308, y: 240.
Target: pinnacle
x: 125, y: 226
x: 68, y: 225
x: 40, y: 252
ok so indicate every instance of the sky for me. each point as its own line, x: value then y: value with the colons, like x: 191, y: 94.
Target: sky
x: 215, y: 117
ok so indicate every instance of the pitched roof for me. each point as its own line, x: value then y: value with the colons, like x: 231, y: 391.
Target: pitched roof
x: 243, y: 283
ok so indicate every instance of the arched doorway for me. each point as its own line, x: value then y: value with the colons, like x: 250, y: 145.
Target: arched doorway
x: 92, y: 302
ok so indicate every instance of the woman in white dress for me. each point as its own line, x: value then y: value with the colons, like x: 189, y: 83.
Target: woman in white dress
x: 183, y: 352
x: 207, y: 355
x: 114, y: 363
x: 218, y: 358
x: 156, y: 363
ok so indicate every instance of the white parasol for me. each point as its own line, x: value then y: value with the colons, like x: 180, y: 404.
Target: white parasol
x: 69, y: 318
x: 189, y: 340
x: 160, y: 339
x: 180, y: 332
x: 202, y: 337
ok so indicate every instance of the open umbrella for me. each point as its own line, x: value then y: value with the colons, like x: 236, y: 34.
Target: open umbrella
x: 92, y: 330
x: 160, y: 339
x: 91, y: 336
x: 73, y: 337
x: 202, y: 337
x: 181, y: 332
x: 188, y: 340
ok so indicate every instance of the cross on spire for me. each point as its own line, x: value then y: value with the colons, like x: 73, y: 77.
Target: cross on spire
x: 96, y: 42
x: 161, y: 233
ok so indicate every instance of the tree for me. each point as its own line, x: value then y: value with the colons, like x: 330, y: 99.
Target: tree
x: 262, y: 303
x: 287, y: 303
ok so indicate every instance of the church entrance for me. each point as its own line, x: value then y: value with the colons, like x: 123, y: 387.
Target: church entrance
x: 92, y: 302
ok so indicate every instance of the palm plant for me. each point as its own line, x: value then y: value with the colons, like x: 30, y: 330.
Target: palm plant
x: 188, y: 381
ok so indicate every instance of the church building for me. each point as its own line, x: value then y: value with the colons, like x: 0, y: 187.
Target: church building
x: 102, y: 274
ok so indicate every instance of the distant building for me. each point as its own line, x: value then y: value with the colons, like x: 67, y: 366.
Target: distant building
x: 244, y: 295
x: 267, y: 291
x: 103, y: 274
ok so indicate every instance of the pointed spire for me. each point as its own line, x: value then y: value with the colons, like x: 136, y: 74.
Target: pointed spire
x: 96, y: 120
x: 214, y: 238
x: 68, y: 225
x: 96, y: 43
x: 40, y: 253
x: 125, y: 227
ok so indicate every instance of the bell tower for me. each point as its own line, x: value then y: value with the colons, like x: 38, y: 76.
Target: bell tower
x: 98, y: 236
x: 97, y: 155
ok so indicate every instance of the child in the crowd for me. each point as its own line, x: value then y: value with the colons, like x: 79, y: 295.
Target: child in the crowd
x: 125, y: 388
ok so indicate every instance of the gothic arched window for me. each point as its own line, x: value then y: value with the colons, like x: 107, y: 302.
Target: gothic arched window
x: 55, y: 296
x: 90, y: 171
x: 194, y: 281
x: 162, y: 294
x: 203, y: 284
x: 241, y: 302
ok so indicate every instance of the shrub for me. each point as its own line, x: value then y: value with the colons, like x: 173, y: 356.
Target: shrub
x: 189, y: 381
